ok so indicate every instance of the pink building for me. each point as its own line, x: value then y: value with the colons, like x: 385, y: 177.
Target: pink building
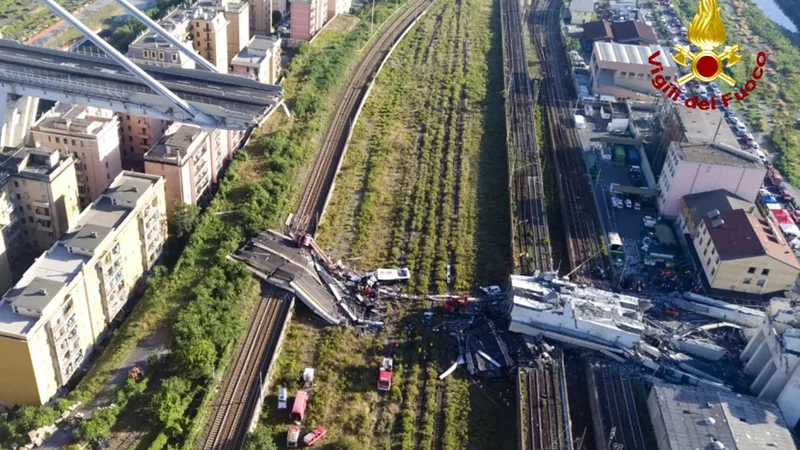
x: 88, y: 134
x: 692, y: 168
x: 308, y: 17
x: 183, y: 157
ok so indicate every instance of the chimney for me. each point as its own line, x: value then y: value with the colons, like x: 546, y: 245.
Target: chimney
x: 93, y: 234
x: 713, y: 213
x: 42, y: 291
x: 717, y: 222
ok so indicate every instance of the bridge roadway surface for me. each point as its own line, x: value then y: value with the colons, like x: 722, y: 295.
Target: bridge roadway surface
x: 238, y: 101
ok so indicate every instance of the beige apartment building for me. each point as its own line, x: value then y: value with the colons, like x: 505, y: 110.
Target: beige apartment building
x: 209, y: 34
x: 91, y: 136
x: 308, y: 17
x: 238, y: 16
x: 52, y: 318
x: 43, y: 187
x: 183, y: 158
x: 136, y: 135
x: 744, y: 253
x: 260, y: 60
x: 261, y: 17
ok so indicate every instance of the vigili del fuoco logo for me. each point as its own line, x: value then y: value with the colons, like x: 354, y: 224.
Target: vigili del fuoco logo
x: 707, y: 33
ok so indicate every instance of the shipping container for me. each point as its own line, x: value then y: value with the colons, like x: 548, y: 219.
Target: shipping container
x: 618, y: 155
x: 633, y: 157
x: 299, y: 406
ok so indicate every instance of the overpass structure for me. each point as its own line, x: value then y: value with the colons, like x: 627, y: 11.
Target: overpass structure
x: 216, y: 100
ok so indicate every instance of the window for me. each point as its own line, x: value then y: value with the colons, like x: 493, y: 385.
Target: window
x: 713, y: 250
x: 705, y: 251
x: 765, y: 272
x: 16, y: 184
x: 27, y: 196
x: 717, y: 261
x: 146, y: 55
x: 713, y: 271
x: 708, y: 263
x: 41, y: 186
x: 48, y: 139
x: 761, y: 283
x: 747, y: 281
x: 81, y: 143
x: 73, y: 142
x: 30, y: 219
x: 129, y: 128
x: 144, y: 141
x: 58, y: 140
x: 751, y: 270
x: 108, y: 176
x: 27, y: 206
x: 106, y: 164
x: 174, y: 57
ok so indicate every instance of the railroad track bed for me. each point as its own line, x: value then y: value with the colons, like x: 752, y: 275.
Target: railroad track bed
x: 531, y: 243
x: 234, y: 406
x: 326, y: 163
x: 575, y: 195
x: 543, y: 397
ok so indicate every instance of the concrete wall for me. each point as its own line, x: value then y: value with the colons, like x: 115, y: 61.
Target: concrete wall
x: 788, y: 400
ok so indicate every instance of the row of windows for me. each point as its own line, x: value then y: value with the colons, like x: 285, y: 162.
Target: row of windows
x: 152, y: 54
x: 764, y: 272
x: 66, y: 141
x: 759, y: 283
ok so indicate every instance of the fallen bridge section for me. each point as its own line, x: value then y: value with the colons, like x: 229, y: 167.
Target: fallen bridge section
x: 276, y: 259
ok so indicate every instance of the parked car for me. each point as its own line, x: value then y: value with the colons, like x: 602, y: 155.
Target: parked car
x: 314, y: 436
x: 761, y: 155
x: 649, y: 221
x: 283, y: 397
x: 628, y: 203
x: 637, y: 206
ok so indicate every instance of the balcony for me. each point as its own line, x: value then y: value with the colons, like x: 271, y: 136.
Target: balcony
x: 113, y: 283
x: 44, y: 224
x: 42, y: 212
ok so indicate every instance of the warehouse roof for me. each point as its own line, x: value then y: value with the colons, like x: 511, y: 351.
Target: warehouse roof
x: 701, y: 203
x: 631, y: 30
x: 693, y: 416
x: 630, y: 54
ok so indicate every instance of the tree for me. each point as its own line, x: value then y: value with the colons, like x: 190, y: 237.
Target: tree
x: 197, y: 358
x: 170, y: 402
x: 99, y: 426
x: 259, y: 440
x: 183, y: 218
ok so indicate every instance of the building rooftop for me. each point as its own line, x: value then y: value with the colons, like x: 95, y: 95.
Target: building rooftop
x: 57, y: 267
x: 631, y: 54
x: 701, y: 204
x: 175, y: 22
x: 633, y: 30
x: 619, y: 31
x: 718, y: 154
x: 597, y: 30
x: 176, y: 144
x: 254, y: 53
x: 582, y: 5
x: 693, y: 416
x: 37, y: 163
x: 741, y: 235
x: 75, y: 119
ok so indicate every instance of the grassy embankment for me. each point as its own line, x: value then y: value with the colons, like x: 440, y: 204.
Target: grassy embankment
x: 424, y: 181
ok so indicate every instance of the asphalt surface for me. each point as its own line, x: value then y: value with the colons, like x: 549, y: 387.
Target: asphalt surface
x: 91, y: 9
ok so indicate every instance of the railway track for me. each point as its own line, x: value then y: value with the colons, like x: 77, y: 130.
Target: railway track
x: 230, y: 417
x: 531, y: 244
x: 546, y: 430
x: 326, y: 163
x: 575, y: 194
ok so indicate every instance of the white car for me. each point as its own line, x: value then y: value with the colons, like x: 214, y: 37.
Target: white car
x: 761, y: 155
x: 283, y: 396
x: 628, y: 203
x: 637, y: 206
x: 649, y: 221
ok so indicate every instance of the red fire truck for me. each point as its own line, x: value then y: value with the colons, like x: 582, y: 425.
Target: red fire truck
x: 385, y: 375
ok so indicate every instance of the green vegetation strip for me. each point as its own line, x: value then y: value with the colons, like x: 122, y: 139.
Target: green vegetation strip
x: 424, y: 181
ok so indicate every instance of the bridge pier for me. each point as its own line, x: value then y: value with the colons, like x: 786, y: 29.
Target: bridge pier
x: 17, y: 113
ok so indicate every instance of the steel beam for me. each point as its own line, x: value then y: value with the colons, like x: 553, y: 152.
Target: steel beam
x: 159, y: 30
x: 178, y: 103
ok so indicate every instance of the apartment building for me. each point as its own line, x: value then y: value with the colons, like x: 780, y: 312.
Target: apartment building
x: 261, y: 17
x: 209, y: 34
x: 694, y: 168
x: 183, y: 158
x: 336, y: 7
x: 136, y: 135
x: 153, y: 50
x: 52, y: 318
x: 260, y: 60
x: 623, y: 70
x: 743, y: 253
x: 238, y: 16
x: 308, y: 17
x: 43, y: 187
x: 91, y: 136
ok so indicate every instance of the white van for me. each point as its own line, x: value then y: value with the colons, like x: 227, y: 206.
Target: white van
x: 761, y: 155
x: 283, y: 397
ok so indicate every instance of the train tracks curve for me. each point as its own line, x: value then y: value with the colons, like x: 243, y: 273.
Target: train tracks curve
x: 326, y: 163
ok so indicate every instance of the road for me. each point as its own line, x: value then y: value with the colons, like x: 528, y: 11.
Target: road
x: 153, y: 344
x: 60, y: 26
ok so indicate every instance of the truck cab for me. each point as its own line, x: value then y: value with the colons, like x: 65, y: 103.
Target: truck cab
x: 385, y: 375
x: 283, y: 397
x: 314, y: 436
x: 292, y: 436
